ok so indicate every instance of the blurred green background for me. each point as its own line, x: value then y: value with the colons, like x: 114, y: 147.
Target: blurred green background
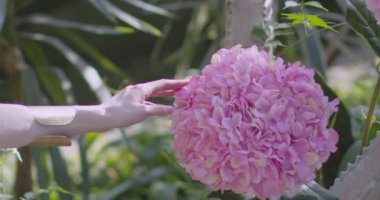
x: 78, y: 52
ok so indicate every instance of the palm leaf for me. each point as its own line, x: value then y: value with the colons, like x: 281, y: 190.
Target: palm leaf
x: 185, y: 55
x: 3, y: 13
x: 149, y: 7
x: 93, y: 53
x: 61, y: 174
x: 109, y: 10
x: 313, y: 48
x: 363, y: 22
x: 86, y: 183
x: 91, y: 28
x: 40, y: 160
x: 48, y: 78
x: 88, y: 72
x: 98, y: 4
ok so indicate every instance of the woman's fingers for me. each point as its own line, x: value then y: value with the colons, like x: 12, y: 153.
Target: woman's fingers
x: 153, y: 87
x: 157, y: 109
x: 163, y: 93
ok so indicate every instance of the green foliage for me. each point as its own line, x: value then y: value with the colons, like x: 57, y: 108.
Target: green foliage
x: 225, y: 195
x: 375, y: 127
x: 364, y: 23
x: 47, y: 77
x: 151, y: 170
x: 350, y: 155
x: 142, y: 165
x: 149, y: 8
x: 93, y: 53
x: 343, y: 126
x: 14, y: 151
x: 314, y: 4
x: 49, y: 190
x: 112, y: 12
x: 85, y: 167
x: 39, y: 19
x: 308, y: 191
x: 3, y: 13
x: 61, y: 175
x: 309, y: 21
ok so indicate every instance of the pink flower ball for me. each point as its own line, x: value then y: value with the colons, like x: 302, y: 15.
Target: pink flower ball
x: 374, y: 6
x: 253, y: 124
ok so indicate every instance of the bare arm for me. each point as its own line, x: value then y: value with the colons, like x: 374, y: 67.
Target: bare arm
x: 20, y: 125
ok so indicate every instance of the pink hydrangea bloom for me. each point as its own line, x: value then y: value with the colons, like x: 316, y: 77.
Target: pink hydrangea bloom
x: 374, y: 6
x: 252, y: 124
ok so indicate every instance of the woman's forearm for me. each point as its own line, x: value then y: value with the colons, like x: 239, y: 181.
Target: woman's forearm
x: 21, y: 125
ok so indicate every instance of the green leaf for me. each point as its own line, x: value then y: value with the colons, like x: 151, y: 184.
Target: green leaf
x: 303, y: 22
x: 32, y: 88
x: 124, y: 29
x: 282, y: 26
x: 275, y: 43
x: 85, y: 168
x: 40, y: 161
x: 95, y: 29
x: 283, y: 29
x: 91, y: 138
x: 93, y: 53
x: 91, y: 76
x: 316, y: 21
x: 350, y: 156
x: 153, y: 175
x: 281, y: 32
x: 315, y: 4
x: 344, y: 129
x: 113, y: 193
x: 291, y: 4
x: 47, y: 77
x: 3, y: 13
x: 98, y: 4
x: 313, y: 50
x: 294, y: 16
x: 225, y: 195
x: 149, y: 7
x: 375, y: 127
x: 186, y: 53
x: 163, y: 191
x: 59, y: 189
x: 17, y: 154
x: 61, y: 175
x: 310, y: 21
x: 258, y: 34
x: 129, y: 19
x: 364, y: 23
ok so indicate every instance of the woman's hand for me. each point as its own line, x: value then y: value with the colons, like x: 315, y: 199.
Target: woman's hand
x: 21, y: 125
x: 130, y: 105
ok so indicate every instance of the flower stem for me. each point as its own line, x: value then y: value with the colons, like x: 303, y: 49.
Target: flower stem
x: 371, y: 111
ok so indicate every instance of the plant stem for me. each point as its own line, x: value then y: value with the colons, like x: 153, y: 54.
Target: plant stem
x: 371, y: 111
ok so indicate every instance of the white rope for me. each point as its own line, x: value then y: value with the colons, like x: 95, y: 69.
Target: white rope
x: 268, y: 26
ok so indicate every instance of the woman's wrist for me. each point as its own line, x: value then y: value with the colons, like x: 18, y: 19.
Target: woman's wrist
x: 88, y: 118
